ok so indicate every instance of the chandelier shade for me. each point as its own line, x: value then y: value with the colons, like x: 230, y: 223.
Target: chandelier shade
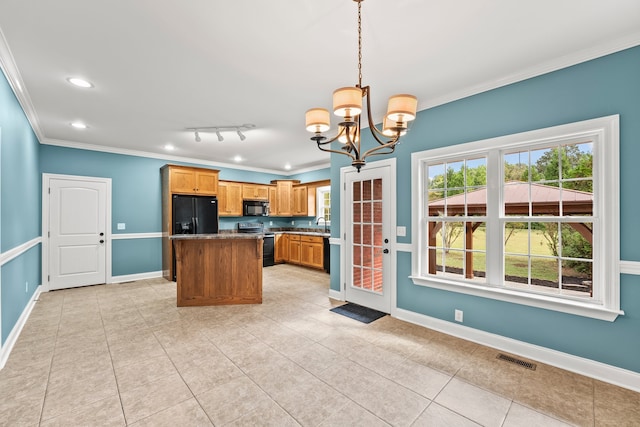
x: 317, y: 120
x: 390, y: 127
x: 348, y: 103
x: 402, y: 108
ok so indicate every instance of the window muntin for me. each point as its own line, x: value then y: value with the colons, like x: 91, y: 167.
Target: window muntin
x: 456, y: 206
x: 582, y: 273
x: 323, y: 208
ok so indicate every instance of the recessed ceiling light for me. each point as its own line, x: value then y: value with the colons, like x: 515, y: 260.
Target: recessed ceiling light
x: 76, y: 81
x: 287, y: 166
x: 79, y: 125
x: 237, y: 159
x: 169, y: 147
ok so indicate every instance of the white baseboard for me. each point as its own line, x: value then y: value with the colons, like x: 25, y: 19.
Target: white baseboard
x: 590, y: 368
x: 336, y: 295
x: 5, y: 350
x: 138, y: 276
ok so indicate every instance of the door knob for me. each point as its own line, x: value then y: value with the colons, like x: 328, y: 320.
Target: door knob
x: 102, y: 234
x: 385, y: 251
x: 101, y: 241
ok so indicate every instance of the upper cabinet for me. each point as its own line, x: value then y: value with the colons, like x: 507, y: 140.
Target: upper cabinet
x: 284, y: 197
x: 188, y: 180
x: 230, y: 198
x: 255, y: 192
x: 300, y: 201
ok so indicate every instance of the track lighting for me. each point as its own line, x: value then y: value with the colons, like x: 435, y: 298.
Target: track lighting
x: 219, y: 129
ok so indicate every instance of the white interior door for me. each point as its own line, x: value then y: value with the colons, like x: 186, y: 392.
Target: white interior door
x: 77, y: 232
x: 368, y: 237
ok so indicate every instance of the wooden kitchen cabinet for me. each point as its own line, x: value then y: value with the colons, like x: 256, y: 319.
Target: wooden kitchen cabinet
x: 300, y: 200
x: 311, y: 251
x: 229, y: 198
x: 284, y: 197
x: 294, y: 248
x: 255, y: 192
x: 273, y: 197
x: 187, y: 180
x: 282, y: 248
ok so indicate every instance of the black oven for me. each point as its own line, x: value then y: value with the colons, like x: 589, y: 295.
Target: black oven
x: 255, y: 208
x: 268, y: 240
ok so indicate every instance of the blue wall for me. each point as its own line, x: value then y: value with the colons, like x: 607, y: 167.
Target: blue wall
x: 601, y: 87
x: 20, y: 203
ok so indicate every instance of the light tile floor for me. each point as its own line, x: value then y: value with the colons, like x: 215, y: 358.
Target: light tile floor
x: 124, y: 354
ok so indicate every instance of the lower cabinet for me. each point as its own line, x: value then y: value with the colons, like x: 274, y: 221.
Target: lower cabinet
x: 294, y: 248
x: 311, y: 251
x: 300, y: 249
x: 282, y: 248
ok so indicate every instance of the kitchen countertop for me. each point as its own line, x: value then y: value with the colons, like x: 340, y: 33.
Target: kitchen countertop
x: 304, y: 233
x: 220, y: 236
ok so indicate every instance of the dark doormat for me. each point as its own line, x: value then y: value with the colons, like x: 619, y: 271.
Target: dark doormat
x: 358, y: 312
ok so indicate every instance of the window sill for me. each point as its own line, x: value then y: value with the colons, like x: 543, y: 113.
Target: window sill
x: 533, y: 300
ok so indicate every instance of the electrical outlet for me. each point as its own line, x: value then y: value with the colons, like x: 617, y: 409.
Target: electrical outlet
x: 26, y: 287
x: 458, y: 315
x: 121, y: 226
x: 270, y: 222
x: 293, y: 223
x: 309, y: 222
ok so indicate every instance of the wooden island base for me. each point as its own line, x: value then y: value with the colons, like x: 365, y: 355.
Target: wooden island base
x: 218, y: 270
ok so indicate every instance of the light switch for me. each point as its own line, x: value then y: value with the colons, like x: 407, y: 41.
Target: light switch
x: 122, y: 226
x: 401, y: 231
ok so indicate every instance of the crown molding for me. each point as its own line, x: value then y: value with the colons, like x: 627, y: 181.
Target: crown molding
x: 10, y: 69
x: 566, y: 61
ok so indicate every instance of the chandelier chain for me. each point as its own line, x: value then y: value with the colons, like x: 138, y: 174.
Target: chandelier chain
x: 359, y: 44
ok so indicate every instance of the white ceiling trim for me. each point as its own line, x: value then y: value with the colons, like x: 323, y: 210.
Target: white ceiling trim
x: 10, y: 70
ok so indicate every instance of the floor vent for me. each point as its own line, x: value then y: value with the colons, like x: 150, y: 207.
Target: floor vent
x: 519, y: 362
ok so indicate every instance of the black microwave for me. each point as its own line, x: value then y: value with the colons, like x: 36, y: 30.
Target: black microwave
x: 255, y: 208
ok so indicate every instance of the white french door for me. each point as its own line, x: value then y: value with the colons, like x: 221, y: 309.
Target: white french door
x: 76, y: 231
x: 368, y: 241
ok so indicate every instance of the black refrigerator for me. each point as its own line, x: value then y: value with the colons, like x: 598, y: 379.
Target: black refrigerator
x: 194, y: 215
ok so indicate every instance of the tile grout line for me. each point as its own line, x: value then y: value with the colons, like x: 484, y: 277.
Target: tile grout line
x: 53, y: 355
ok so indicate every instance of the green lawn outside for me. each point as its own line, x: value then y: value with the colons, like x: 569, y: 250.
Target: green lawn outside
x: 545, y: 269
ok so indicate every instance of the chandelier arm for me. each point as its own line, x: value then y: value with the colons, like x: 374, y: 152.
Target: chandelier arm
x: 366, y: 92
x: 377, y: 150
x: 328, y: 150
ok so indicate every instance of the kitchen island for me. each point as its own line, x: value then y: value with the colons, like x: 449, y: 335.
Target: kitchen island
x: 218, y: 269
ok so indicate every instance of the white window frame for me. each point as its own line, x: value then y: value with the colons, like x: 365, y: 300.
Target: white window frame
x: 320, y: 201
x: 604, y: 132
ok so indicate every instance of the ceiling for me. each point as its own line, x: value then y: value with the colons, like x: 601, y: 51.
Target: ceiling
x: 161, y: 67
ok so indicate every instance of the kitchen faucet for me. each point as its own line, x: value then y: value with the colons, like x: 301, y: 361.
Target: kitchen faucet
x: 325, y: 222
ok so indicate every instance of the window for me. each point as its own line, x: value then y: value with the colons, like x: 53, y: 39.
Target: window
x: 528, y: 218
x: 323, y: 198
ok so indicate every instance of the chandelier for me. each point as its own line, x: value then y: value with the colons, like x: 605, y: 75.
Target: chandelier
x: 347, y: 104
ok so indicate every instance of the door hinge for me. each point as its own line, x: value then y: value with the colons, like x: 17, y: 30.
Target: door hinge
x: 48, y: 278
x: 48, y: 234
x: 344, y: 185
